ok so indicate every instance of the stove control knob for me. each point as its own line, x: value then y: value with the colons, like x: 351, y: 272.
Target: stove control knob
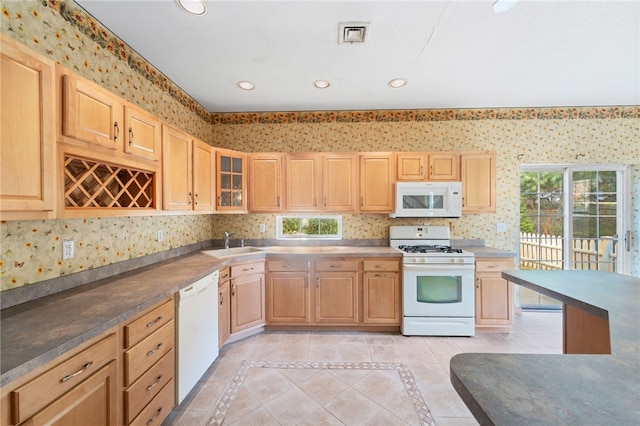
x: 423, y: 259
x: 452, y: 260
x: 461, y: 260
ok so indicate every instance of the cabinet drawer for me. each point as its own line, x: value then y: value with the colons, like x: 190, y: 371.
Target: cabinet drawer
x: 489, y: 265
x: 381, y: 265
x: 288, y: 266
x: 139, y: 358
x: 36, y: 394
x: 225, y: 274
x: 148, y: 323
x: 246, y: 269
x: 336, y: 265
x: 158, y: 409
x: 146, y: 387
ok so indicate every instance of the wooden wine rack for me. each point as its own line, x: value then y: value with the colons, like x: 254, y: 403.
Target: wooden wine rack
x: 94, y: 184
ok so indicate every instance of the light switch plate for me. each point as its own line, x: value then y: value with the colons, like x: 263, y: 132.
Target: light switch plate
x: 501, y: 227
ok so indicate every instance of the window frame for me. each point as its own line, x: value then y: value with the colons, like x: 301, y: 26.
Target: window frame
x: 281, y: 236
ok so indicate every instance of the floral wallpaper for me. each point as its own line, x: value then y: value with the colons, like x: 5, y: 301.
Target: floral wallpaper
x: 31, y: 251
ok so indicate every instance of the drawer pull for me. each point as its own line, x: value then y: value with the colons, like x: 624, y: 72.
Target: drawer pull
x: 334, y: 266
x: 247, y: 269
x: 153, y: 419
x: 380, y: 275
x: 154, y: 384
x: 153, y: 351
x: 154, y: 322
x: 221, y: 298
x: 72, y: 375
x: 382, y: 266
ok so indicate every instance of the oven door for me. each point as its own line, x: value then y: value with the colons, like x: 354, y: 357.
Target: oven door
x: 438, y: 290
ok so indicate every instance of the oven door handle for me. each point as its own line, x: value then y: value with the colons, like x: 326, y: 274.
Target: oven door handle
x: 426, y: 267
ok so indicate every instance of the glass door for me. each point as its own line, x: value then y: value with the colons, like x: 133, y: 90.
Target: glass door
x: 572, y: 217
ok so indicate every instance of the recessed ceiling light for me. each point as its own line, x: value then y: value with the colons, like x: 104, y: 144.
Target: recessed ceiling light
x: 195, y: 7
x: 321, y: 84
x: 245, y: 85
x: 397, y: 82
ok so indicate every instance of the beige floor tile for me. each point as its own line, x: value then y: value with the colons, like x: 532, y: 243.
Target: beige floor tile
x: 323, y: 387
x: 401, y: 407
x: 266, y: 384
x: 292, y: 352
x: 323, y: 353
x: 353, y: 408
x: 379, y: 387
x: 259, y: 416
x: 349, y: 376
x: 292, y: 406
x: 243, y: 404
x: 385, y: 418
x: 320, y: 417
x: 299, y: 375
x: 354, y: 352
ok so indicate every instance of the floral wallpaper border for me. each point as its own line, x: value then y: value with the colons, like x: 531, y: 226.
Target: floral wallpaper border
x: 92, y: 28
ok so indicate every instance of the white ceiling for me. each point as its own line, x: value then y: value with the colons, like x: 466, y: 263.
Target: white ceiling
x: 454, y: 54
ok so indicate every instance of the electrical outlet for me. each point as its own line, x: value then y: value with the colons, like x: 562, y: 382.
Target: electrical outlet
x: 67, y: 250
x: 262, y: 227
x: 501, y: 227
x: 160, y: 235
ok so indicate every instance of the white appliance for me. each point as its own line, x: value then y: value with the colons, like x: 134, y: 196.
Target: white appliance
x: 438, y: 295
x: 428, y: 199
x: 197, y: 329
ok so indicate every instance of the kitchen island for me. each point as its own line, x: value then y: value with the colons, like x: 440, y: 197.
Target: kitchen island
x: 590, y: 386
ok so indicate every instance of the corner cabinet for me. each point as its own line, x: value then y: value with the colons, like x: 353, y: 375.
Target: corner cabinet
x: 494, y: 294
x: 27, y: 139
x: 478, y: 173
x: 247, y: 295
x: 231, y: 188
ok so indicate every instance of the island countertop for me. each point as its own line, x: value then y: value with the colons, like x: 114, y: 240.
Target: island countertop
x: 506, y: 389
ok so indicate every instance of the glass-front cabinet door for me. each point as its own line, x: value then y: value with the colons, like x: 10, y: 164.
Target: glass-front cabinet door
x: 232, y: 181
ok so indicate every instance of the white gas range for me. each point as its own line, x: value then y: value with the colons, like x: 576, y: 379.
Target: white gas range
x: 438, y: 295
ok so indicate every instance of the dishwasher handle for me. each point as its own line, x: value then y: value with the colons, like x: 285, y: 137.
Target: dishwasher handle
x: 199, y: 286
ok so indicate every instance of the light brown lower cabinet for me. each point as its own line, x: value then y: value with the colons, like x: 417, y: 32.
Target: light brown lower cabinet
x: 494, y: 295
x: 247, y: 296
x: 224, y: 307
x: 79, y: 387
x: 333, y: 291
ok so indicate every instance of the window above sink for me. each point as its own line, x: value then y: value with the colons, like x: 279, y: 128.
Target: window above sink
x: 302, y: 227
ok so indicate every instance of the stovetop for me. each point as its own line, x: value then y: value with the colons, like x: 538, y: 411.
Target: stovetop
x: 427, y: 244
x: 429, y: 249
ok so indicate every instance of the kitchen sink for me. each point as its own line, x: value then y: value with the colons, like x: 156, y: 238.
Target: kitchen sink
x: 233, y: 251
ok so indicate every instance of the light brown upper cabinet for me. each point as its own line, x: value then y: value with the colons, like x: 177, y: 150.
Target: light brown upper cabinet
x: 188, y: 172
x: 266, y: 183
x: 478, y: 172
x: 92, y: 114
x: 27, y: 135
x: 432, y: 166
x: 177, y: 169
x: 321, y: 182
x: 376, y: 182
x: 231, y: 188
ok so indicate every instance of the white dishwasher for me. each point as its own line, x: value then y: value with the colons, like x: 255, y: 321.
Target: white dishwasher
x: 197, y: 332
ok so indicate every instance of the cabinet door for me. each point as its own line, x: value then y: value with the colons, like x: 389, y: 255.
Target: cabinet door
x: 142, y: 133
x: 376, y: 182
x: 478, y: 173
x: 90, y: 113
x: 176, y: 169
x: 381, y: 298
x: 224, y: 315
x: 444, y: 166
x: 232, y: 181
x: 92, y: 402
x: 203, y: 176
x: 247, y: 302
x: 288, y: 299
x: 336, y: 298
x: 27, y: 138
x: 411, y: 166
x: 265, y: 183
x: 493, y: 300
x: 302, y: 183
x: 339, y: 173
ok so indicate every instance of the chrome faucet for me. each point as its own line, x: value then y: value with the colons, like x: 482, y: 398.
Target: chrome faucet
x: 227, y: 236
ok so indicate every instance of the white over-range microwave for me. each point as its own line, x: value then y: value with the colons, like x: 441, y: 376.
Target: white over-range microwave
x: 428, y: 199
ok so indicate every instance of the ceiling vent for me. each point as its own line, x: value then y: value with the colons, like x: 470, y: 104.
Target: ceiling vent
x: 353, y: 32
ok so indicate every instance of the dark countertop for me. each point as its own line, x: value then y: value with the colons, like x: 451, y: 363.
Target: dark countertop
x: 508, y: 389
x: 36, y: 332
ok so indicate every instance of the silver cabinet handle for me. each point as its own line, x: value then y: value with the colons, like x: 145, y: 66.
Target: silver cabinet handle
x: 116, y: 132
x: 154, y: 322
x: 153, y: 351
x: 153, y: 419
x: 130, y: 136
x: 77, y: 373
x: 154, y: 384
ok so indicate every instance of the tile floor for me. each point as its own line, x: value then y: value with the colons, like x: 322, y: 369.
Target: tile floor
x: 348, y: 377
